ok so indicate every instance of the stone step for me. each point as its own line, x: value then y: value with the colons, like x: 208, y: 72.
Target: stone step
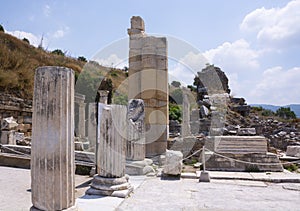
x: 215, y: 162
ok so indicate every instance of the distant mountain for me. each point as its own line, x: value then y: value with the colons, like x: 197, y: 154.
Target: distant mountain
x: 294, y: 107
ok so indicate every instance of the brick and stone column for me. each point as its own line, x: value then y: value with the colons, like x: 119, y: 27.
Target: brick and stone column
x: 148, y: 80
x: 52, y: 150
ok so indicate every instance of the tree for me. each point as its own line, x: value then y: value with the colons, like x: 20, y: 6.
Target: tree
x: 26, y: 40
x: 58, y: 52
x: 82, y: 59
x: 285, y: 113
x: 175, y: 112
x: 1, y: 28
x: 176, y: 84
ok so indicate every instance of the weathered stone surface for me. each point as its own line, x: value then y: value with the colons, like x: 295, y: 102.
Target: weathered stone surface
x: 185, y: 128
x: 52, y: 153
x: 111, y: 149
x: 246, y: 132
x: 293, y: 151
x: 92, y: 126
x: 136, y: 130
x: 112, y: 140
x: 8, y: 137
x: 204, y: 111
x: 80, y: 116
x: 8, y: 123
x: 173, y: 164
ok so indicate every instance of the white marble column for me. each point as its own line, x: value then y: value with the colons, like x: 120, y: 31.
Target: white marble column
x: 112, y: 132
x: 52, y: 150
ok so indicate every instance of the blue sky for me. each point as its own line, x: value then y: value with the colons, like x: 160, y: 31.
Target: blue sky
x: 256, y: 43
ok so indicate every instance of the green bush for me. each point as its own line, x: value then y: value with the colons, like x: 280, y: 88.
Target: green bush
x: 26, y: 40
x: 176, y: 84
x: 293, y: 167
x: 267, y: 112
x: 1, y: 28
x: 120, y: 99
x: 256, y: 108
x: 175, y: 112
x: 82, y: 59
x: 285, y: 113
x: 58, y: 52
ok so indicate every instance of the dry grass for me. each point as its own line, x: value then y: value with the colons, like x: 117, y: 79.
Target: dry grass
x: 18, y: 61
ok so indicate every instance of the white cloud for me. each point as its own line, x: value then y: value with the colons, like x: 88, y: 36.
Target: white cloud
x: 275, y: 26
x: 278, y: 86
x: 33, y: 39
x: 186, y: 68
x: 61, y: 32
x: 112, y: 61
x: 233, y: 57
x: 47, y: 10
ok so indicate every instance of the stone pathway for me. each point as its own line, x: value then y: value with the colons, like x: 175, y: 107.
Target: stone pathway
x: 153, y: 193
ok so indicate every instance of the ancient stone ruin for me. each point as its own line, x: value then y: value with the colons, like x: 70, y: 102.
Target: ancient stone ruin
x: 52, y: 155
x: 111, y: 152
x: 148, y: 80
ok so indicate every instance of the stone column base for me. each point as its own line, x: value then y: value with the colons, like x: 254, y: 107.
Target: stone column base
x: 117, y: 187
x: 73, y: 208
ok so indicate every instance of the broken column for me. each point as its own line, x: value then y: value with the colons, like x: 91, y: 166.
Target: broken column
x: 136, y: 130
x: 80, y: 126
x: 148, y: 80
x: 92, y: 119
x: 52, y: 150
x: 110, y: 179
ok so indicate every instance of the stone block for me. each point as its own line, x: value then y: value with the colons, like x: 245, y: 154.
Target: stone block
x: 8, y: 123
x: 8, y: 137
x: 293, y: 151
x: 246, y: 132
x: 173, y: 164
x: 148, y: 61
x: 204, y: 111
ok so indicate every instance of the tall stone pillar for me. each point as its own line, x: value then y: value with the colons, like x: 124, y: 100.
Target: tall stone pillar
x: 92, y: 126
x: 136, y: 130
x: 148, y: 80
x: 52, y: 150
x: 110, y: 179
x: 185, y: 128
x: 81, y: 121
x: 92, y: 119
x: 80, y: 125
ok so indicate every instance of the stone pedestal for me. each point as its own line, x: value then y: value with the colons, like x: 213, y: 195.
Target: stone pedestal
x: 148, y: 80
x: 110, y: 179
x: 52, y: 150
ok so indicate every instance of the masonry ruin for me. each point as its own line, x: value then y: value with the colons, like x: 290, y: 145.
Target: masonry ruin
x: 148, y: 80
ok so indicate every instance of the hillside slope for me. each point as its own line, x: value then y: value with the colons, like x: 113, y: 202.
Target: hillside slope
x: 18, y: 61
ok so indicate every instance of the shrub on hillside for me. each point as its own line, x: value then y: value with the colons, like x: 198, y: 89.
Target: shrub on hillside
x: 1, y: 28
x: 285, y: 113
x: 58, y: 52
